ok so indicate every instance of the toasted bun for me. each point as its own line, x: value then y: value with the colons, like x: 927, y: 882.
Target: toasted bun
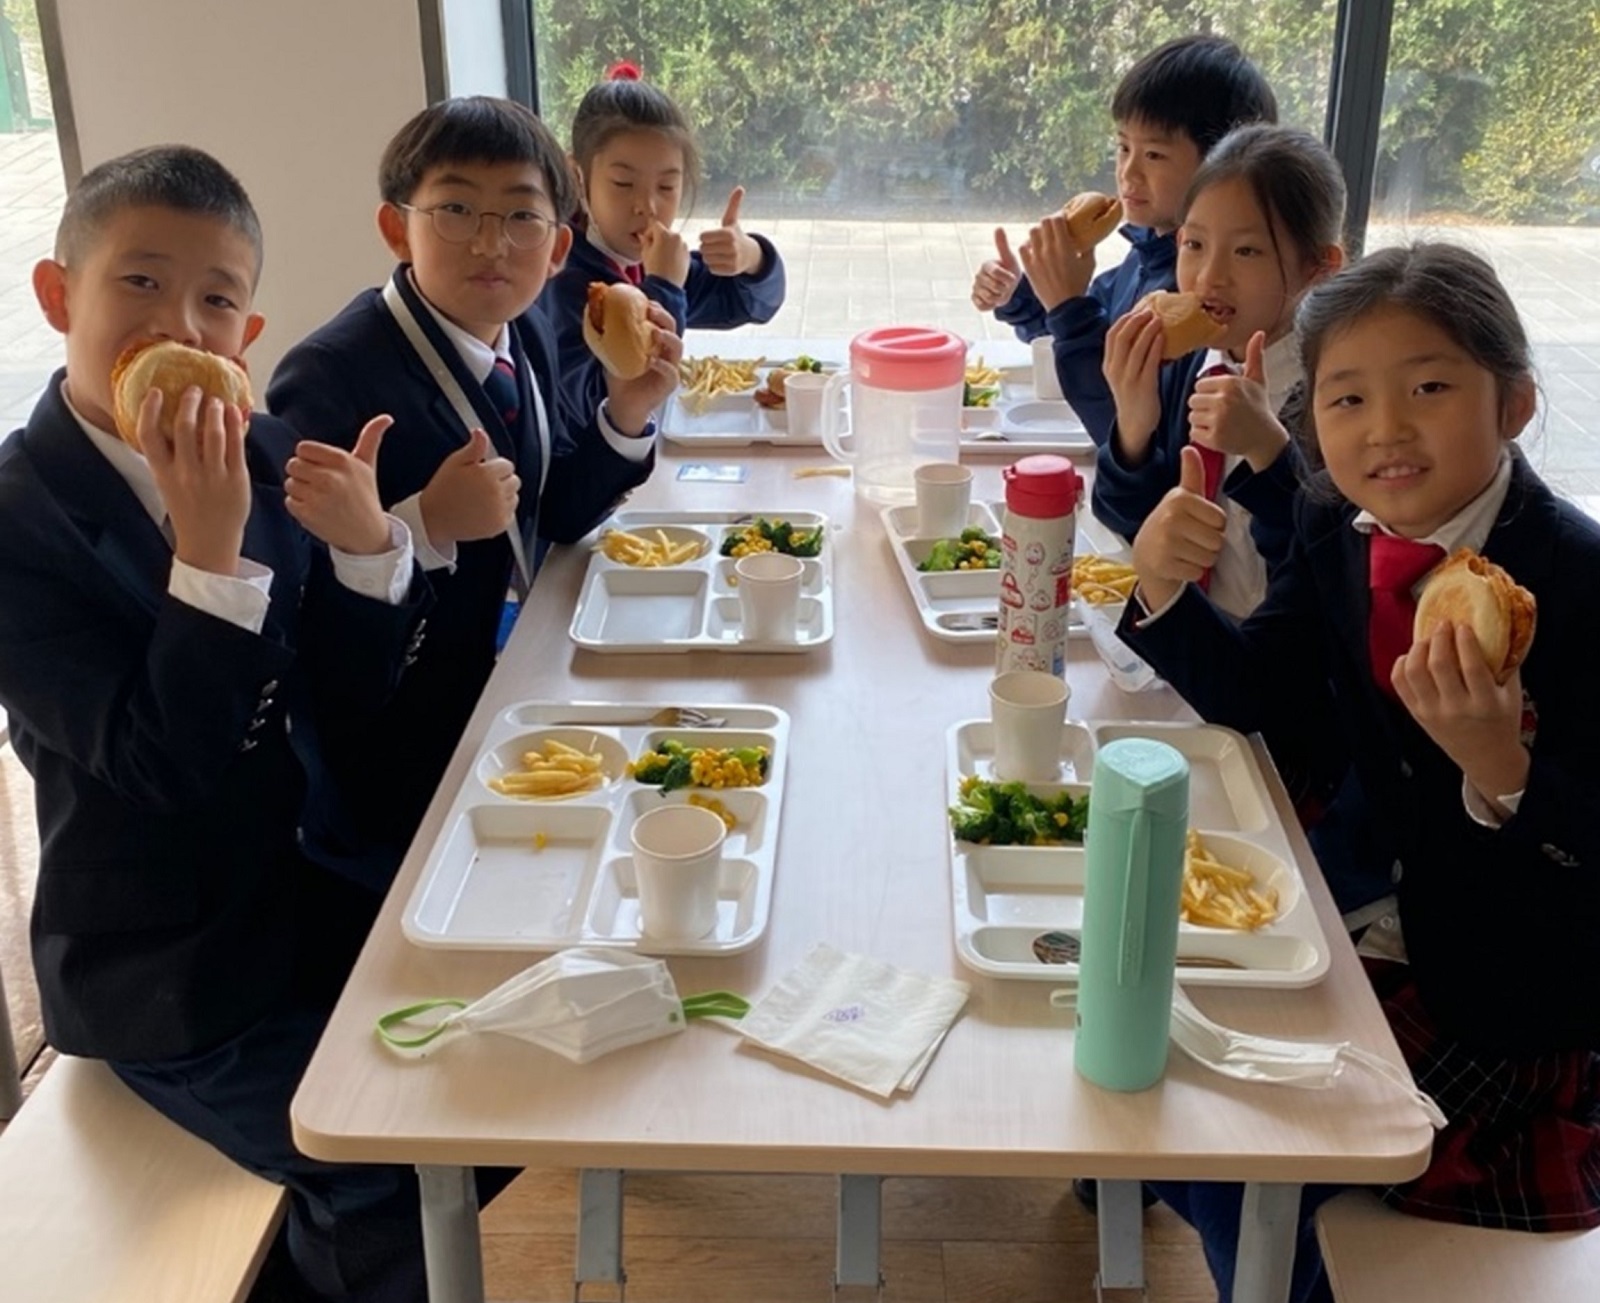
x: 1185, y: 325
x: 171, y: 368
x: 616, y: 327
x: 1470, y: 589
x: 1091, y: 217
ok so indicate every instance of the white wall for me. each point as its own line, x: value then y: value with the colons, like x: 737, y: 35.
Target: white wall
x: 296, y: 97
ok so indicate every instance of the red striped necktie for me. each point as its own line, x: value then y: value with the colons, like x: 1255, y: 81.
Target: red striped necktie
x: 1394, y: 565
x: 1213, y: 460
x: 501, y: 386
x: 633, y: 273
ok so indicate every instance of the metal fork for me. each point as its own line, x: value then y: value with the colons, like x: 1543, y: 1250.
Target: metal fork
x: 666, y: 717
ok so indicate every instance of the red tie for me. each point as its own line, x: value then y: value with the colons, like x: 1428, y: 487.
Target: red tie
x: 633, y: 273
x: 1394, y: 565
x: 1213, y: 462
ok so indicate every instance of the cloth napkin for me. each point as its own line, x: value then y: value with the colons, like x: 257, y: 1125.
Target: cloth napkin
x: 859, y: 1019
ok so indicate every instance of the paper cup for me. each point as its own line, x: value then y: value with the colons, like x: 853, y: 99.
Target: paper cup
x: 802, y: 393
x: 944, y: 495
x: 677, y: 860
x: 1046, y: 383
x: 1028, y: 708
x: 769, y: 596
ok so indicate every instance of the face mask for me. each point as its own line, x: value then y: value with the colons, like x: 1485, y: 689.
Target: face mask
x: 1266, y: 1060
x: 579, y: 1003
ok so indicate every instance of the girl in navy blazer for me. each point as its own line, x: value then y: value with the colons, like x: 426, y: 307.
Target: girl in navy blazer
x: 635, y: 156
x: 1261, y: 224
x: 1419, y: 380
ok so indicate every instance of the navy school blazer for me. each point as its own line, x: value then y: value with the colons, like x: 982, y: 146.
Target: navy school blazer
x: 168, y: 785
x: 1500, y: 924
x: 705, y: 301
x: 327, y: 387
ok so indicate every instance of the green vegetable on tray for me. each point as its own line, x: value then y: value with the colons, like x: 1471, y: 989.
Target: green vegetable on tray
x: 674, y: 764
x: 763, y: 535
x: 978, y: 395
x: 1008, y: 814
x: 974, y: 550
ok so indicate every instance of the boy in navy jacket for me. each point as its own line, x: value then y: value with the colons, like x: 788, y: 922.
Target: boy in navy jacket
x: 1171, y: 108
x: 163, y: 616
x: 485, y: 459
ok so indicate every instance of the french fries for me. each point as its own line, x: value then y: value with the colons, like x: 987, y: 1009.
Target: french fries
x: 980, y: 374
x: 1098, y: 580
x: 635, y: 550
x: 1219, y: 895
x: 704, y: 378
x: 557, y: 770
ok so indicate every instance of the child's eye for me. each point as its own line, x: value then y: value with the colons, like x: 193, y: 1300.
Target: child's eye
x: 222, y: 301
x: 1432, y: 387
x: 139, y: 281
x: 455, y: 209
x: 1344, y: 400
x: 1190, y: 244
x: 1154, y: 157
x: 1247, y: 251
x: 623, y: 185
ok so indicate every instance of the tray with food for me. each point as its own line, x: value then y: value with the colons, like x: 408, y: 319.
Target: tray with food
x: 535, y: 852
x: 1017, y: 862
x: 733, y: 403
x: 955, y: 582
x: 664, y: 581
x: 1002, y: 415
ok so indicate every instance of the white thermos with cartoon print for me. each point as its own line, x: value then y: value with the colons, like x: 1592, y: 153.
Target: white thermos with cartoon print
x: 1042, y: 495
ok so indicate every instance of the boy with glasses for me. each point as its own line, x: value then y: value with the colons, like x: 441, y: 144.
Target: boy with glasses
x: 485, y: 458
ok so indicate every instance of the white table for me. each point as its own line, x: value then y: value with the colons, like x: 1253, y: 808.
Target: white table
x: 861, y: 864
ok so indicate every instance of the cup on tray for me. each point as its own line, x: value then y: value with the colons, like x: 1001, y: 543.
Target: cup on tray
x: 1028, y: 708
x: 769, y: 596
x: 802, y: 395
x: 944, y: 496
x: 677, y: 861
x: 1046, y: 383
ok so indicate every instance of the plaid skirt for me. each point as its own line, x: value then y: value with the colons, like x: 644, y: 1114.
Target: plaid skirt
x: 1522, y: 1150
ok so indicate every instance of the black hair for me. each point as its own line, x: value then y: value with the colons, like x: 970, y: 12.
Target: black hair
x: 626, y: 103
x: 179, y: 177
x: 1202, y: 86
x: 1294, y: 179
x: 1451, y: 287
x: 474, y: 129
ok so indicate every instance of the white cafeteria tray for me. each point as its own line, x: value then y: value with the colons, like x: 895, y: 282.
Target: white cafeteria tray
x: 693, y: 606
x: 727, y: 421
x: 1027, y: 424
x: 487, y: 885
x: 1005, y: 896
x: 958, y: 605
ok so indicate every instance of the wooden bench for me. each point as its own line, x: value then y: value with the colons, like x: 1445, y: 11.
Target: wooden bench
x: 1377, y: 1255
x: 103, y: 1200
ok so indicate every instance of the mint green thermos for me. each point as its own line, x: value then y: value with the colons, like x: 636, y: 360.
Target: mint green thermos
x: 1138, y: 818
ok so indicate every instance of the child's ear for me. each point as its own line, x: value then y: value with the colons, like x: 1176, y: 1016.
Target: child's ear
x: 254, y: 324
x: 396, y: 233
x: 560, y: 247
x: 50, y: 288
x: 1328, y: 263
x: 1517, y: 406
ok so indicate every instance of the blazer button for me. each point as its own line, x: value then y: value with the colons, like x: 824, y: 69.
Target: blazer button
x: 269, y: 687
x: 258, y: 722
x: 1405, y: 769
x: 1560, y: 856
x: 249, y: 744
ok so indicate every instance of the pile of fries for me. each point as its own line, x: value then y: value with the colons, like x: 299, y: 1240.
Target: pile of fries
x: 705, y: 378
x: 1219, y: 895
x: 1098, y: 580
x: 978, y: 374
x: 636, y: 550
x: 557, y: 770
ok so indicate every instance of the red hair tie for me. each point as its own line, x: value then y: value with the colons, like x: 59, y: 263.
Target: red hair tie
x: 624, y: 70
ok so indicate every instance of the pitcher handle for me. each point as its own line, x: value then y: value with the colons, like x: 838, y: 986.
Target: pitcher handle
x: 832, y: 435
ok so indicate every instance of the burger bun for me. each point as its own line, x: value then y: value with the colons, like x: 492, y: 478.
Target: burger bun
x: 617, y: 329
x: 1470, y: 590
x: 1091, y: 217
x: 1185, y: 324
x: 172, y: 368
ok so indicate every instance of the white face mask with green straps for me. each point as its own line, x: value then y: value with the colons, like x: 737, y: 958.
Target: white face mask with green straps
x: 579, y: 1003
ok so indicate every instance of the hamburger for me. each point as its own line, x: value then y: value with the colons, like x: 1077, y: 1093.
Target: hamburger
x: 1469, y: 589
x: 1185, y: 324
x: 172, y: 368
x: 1091, y: 216
x: 617, y: 329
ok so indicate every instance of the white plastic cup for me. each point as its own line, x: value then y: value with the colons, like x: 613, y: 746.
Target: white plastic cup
x: 944, y: 497
x: 677, y: 861
x: 1028, y: 708
x: 1046, y: 383
x: 802, y: 394
x: 769, y: 596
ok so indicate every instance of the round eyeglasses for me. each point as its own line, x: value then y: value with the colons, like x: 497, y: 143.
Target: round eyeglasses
x: 457, y: 223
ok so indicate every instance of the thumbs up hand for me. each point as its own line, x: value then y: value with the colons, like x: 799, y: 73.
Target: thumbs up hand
x: 727, y: 250
x: 472, y: 495
x: 1181, y: 539
x: 997, y: 278
x: 334, y: 493
x: 1233, y: 415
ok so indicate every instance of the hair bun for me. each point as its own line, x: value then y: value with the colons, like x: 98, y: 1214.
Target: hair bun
x: 624, y: 70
